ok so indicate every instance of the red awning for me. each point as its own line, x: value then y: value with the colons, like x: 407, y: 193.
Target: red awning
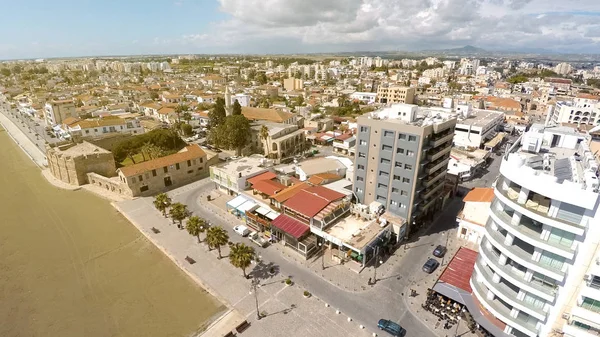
x: 290, y: 226
x: 460, y: 269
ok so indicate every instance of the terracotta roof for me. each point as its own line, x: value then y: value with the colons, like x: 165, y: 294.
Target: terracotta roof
x: 320, y: 179
x: 290, y: 192
x: 558, y: 80
x: 480, y: 194
x: 459, y: 270
x: 311, y: 201
x: 94, y: 123
x: 187, y: 153
x: 166, y: 110
x: 325, y: 193
x: 588, y: 96
x: 266, y: 114
x: 344, y: 136
x: 263, y: 176
x: 290, y: 225
x: 268, y: 187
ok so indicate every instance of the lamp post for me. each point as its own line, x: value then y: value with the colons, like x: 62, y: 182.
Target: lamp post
x: 377, y: 263
x: 322, y: 245
x: 256, y: 284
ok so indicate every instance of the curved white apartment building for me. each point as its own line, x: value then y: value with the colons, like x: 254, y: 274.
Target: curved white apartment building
x: 541, y: 238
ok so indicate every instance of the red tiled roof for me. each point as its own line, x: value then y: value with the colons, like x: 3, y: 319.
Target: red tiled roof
x: 459, y: 269
x: 307, y: 204
x: 290, y: 225
x: 325, y: 193
x: 480, y: 194
x: 268, y: 187
x: 290, y: 191
x: 263, y: 176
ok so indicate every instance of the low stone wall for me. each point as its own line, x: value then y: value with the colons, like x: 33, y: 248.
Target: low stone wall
x: 110, y: 184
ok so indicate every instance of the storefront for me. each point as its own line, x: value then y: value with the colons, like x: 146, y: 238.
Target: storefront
x: 239, y: 205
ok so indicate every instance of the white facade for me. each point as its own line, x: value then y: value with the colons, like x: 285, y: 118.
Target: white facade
x: 476, y: 126
x: 243, y: 99
x: 542, y: 234
x: 579, y: 111
x: 365, y: 97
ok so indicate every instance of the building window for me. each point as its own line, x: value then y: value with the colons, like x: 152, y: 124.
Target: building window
x: 359, y: 190
x: 395, y: 190
x: 133, y: 180
x: 380, y: 185
x: 383, y: 174
x: 87, y: 131
x: 410, y: 153
x: 166, y: 169
x: 189, y: 162
x: 359, y: 178
x: 402, y: 136
x: 397, y: 178
x: 394, y: 203
x: 534, y: 301
x: 403, y: 193
x: 386, y: 148
x: 402, y: 205
x: 177, y: 166
x: 406, y: 180
x: 385, y: 161
x: 362, y: 142
x: 552, y: 260
x: 412, y: 138
x: 362, y: 155
x: 591, y: 304
x: 154, y: 173
x: 144, y: 188
x: 360, y: 167
x: 561, y: 237
x: 595, y: 282
x: 141, y: 178
x: 381, y: 198
x: 190, y: 171
x: 400, y: 151
x: 407, y: 167
x: 388, y: 133
x: 363, y: 129
x: 398, y: 164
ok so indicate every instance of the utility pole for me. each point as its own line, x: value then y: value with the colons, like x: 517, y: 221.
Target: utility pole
x: 255, y: 284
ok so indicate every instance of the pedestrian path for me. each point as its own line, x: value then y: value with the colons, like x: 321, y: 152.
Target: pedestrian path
x: 27, y: 145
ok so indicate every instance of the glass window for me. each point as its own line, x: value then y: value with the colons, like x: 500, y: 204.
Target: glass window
x: 406, y: 180
x: 534, y: 301
x: 363, y: 142
x: 591, y: 304
x: 361, y: 167
x: 407, y: 167
x: 586, y: 327
x: 561, y: 237
x: 384, y: 161
x: 412, y: 138
x: 362, y: 155
x: 544, y: 281
x: 400, y: 151
x: 398, y: 164
x: 394, y: 203
x: 402, y: 136
x: 380, y: 198
x: 552, y: 260
x: 395, y: 190
x: 594, y: 282
x: 397, y: 178
x: 410, y: 153
x: 383, y: 174
x: 380, y: 185
x: 363, y: 129
x: 403, y: 193
x: 388, y: 133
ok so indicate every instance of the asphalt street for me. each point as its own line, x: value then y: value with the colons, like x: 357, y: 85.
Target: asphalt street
x: 385, y: 300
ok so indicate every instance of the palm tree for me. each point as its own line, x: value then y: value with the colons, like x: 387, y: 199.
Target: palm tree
x: 195, y: 226
x: 264, y: 134
x: 241, y: 256
x: 178, y: 213
x: 217, y: 237
x: 162, y: 202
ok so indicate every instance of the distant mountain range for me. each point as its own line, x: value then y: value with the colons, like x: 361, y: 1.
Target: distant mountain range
x: 462, y: 50
x: 470, y: 50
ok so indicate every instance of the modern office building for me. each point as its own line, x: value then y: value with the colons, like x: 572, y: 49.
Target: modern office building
x: 537, y: 265
x: 476, y: 126
x: 402, y: 154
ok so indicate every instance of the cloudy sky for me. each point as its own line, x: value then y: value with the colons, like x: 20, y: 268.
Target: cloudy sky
x: 42, y: 28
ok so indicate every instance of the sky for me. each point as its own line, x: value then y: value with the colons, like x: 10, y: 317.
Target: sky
x: 65, y: 28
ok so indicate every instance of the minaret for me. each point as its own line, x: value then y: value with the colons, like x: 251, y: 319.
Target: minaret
x: 227, y: 101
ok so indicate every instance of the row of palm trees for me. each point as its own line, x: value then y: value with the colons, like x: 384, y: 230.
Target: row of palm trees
x: 240, y: 254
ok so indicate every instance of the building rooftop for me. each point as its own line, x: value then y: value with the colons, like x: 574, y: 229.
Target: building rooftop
x: 411, y: 114
x: 479, y: 117
x: 82, y: 149
x: 480, y: 194
x: 355, y: 232
x: 246, y: 166
x: 187, y: 153
x: 320, y: 165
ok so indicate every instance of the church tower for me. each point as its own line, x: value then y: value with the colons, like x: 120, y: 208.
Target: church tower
x: 228, y: 109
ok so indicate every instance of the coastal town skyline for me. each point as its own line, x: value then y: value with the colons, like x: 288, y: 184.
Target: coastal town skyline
x: 255, y: 27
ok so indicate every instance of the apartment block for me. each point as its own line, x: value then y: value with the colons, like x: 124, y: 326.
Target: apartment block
x: 396, y: 94
x: 584, y: 109
x: 402, y: 154
x: 537, y: 270
x: 57, y: 111
x: 291, y: 84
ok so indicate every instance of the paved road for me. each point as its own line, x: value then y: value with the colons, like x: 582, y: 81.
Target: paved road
x: 27, y: 125
x: 385, y: 300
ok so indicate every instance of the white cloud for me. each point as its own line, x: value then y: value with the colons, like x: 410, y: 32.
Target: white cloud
x: 335, y: 25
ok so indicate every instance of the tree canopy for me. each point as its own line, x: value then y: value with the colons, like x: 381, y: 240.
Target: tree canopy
x: 167, y: 141
x: 216, y: 116
x: 237, y: 108
x: 241, y: 256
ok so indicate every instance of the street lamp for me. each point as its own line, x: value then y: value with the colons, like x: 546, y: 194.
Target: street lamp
x: 322, y: 245
x: 256, y: 284
x: 377, y: 263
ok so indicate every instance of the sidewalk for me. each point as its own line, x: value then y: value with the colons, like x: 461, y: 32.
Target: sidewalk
x: 339, y: 275
x: 285, y: 306
x: 27, y: 145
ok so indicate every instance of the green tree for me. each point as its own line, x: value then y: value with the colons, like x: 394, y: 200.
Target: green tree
x: 237, y: 130
x: 299, y: 100
x: 195, y: 226
x: 241, y: 256
x: 187, y: 117
x: 264, y: 135
x: 5, y: 72
x: 237, y: 108
x: 162, y: 201
x: 179, y: 212
x: 216, y: 237
x: 154, y: 95
x: 180, y: 109
x: 217, y: 115
x: 186, y: 129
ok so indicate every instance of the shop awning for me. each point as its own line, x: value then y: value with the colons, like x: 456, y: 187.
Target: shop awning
x: 262, y: 211
x: 272, y: 215
x: 237, y: 201
x: 290, y: 226
x: 245, y: 206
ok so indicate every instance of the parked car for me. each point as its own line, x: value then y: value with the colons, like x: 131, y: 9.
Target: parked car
x: 241, y: 230
x: 439, y: 251
x: 392, y: 328
x: 430, y: 266
x: 257, y: 238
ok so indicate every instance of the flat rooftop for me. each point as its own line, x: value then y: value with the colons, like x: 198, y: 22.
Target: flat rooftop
x: 480, y: 118
x: 355, y: 232
x: 423, y: 116
x: 246, y: 166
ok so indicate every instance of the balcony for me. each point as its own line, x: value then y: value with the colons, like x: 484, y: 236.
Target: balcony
x: 529, y: 232
x: 516, y: 276
x: 520, y: 255
x: 507, y: 293
x: 435, y: 142
x: 432, y: 178
x: 429, y: 191
x: 500, y: 310
x: 571, y: 330
x: 438, y: 153
x: 432, y: 167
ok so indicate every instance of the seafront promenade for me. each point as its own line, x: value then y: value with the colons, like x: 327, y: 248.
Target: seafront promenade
x: 27, y: 145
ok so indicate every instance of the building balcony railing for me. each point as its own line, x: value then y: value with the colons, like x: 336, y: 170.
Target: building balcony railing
x: 432, y: 178
x: 442, y: 140
x: 498, y: 309
x: 510, y: 197
x: 516, y: 276
x: 440, y: 152
x: 429, y: 191
x: 506, y: 293
x: 520, y: 255
x: 529, y: 233
x: 432, y: 167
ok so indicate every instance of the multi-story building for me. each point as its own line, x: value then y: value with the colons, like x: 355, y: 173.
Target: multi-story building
x: 282, y: 141
x: 56, y: 111
x: 475, y: 127
x: 584, y: 109
x: 99, y: 127
x: 291, y: 84
x: 402, y: 154
x: 541, y: 240
x: 396, y: 94
x: 563, y: 68
x: 364, y: 97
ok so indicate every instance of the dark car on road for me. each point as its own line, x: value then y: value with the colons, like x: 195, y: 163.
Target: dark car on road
x: 430, y: 266
x: 391, y: 327
x: 439, y: 251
